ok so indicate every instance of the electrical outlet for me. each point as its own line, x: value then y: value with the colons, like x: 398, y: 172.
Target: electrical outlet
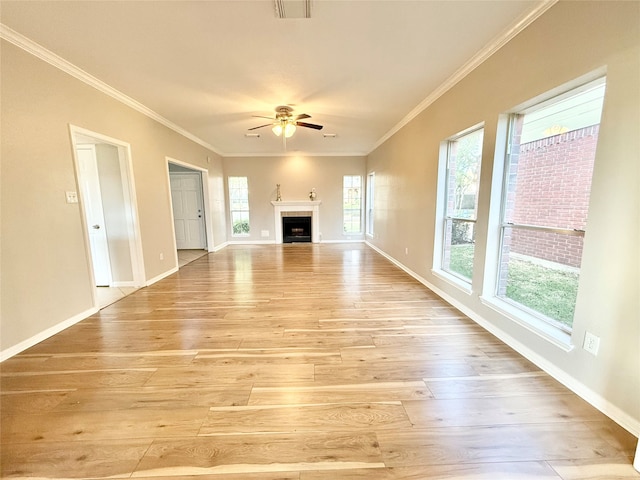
x: 162, y: 256
x: 72, y: 197
x: 264, y: 233
x: 591, y: 343
x: 406, y: 251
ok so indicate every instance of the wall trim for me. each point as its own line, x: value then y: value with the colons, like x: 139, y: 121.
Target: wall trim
x: 51, y: 58
x: 49, y: 332
x: 219, y: 247
x: 250, y: 242
x: 157, y: 278
x: 623, y: 419
x: 297, y: 153
x: 128, y: 283
x: 475, y: 61
x: 343, y: 241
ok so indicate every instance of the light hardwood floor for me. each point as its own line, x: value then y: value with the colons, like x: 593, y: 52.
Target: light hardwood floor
x: 296, y: 362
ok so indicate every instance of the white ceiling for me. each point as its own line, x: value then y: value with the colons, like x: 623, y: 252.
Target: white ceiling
x: 361, y: 68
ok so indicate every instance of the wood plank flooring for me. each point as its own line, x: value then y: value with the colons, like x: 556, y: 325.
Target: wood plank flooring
x: 293, y: 362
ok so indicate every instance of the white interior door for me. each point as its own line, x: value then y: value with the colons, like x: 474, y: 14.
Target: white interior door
x: 188, y: 211
x: 92, y: 198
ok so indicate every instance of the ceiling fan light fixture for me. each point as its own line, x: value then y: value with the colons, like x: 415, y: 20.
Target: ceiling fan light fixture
x: 277, y: 129
x: 289, y: 129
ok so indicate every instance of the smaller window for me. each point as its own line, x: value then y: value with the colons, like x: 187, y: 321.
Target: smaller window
x: 352, y: 204
x: 463, y: 157
x: 239, y: 206
x: 370, y: 190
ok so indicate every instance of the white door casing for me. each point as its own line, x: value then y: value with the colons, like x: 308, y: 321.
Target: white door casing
x: 188, y: 210
x: 92, y: 197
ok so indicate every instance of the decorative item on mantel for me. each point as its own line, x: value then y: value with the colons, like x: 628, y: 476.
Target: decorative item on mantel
x: 278, y: 196
x: 312, y: 194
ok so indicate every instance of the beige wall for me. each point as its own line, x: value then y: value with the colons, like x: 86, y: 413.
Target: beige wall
x: 569, y: 41
x: 297, y: 175
x: 44, y: 262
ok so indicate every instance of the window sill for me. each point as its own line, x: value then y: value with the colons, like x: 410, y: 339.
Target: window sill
x: 453, y: 280
x: 532, y: 323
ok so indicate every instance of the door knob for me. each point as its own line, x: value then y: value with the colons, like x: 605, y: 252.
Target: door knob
x: 96, y: 227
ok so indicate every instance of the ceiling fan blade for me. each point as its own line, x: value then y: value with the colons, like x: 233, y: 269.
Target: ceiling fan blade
x: 309, y: 125
x: 302, y: 116
x: 265, y: 125
x: 261, y: 116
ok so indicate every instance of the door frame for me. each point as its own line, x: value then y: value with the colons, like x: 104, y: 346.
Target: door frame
x: 131, y: 204
x: 208, y: 224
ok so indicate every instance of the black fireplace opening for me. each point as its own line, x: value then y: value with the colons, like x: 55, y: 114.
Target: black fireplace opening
x: 296, y: 229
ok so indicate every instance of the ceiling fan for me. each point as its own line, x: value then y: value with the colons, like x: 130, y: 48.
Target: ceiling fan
x: 285, y: 122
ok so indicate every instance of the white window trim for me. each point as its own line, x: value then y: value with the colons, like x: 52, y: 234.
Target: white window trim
x: 238, y: 235
x: 541, y: 328
x: 441, y: 201
x: 454, y: 280
x: 369, y: 205
x: 362, y: 215
x: 534, y: 323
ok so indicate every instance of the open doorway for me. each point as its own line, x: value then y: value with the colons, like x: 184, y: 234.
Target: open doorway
x: 109, y: 209
x: 189, y: 201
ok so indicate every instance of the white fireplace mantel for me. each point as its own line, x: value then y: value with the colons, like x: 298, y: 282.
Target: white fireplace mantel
x: 297, y: 206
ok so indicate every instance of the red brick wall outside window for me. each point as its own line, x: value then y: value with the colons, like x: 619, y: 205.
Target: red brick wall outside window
x: 552, y: 189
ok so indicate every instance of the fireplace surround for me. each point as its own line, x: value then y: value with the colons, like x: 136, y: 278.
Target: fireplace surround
x: 297, y: 207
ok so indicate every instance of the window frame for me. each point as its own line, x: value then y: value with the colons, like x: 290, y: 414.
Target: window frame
x: 369, y: 204
x: 242, y: 211
x: 534, y: 321
x: 443, y: 215
x: 346, y: 210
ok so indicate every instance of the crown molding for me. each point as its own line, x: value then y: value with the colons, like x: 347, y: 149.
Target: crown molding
x: 51, y: 58
x: 475, y: 61
x: 296, y: 154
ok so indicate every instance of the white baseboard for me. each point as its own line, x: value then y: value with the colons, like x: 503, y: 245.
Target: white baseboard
x: 49, y: 332
x: 623, y: 419
x: 272, y: 242
x: 161, y: 276
x: 219, y: 247
x: 343, y: 241
x: 250, y: 242
x: 129, y: 283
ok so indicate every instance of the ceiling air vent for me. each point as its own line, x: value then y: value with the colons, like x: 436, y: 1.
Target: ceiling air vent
x: 293, y: 8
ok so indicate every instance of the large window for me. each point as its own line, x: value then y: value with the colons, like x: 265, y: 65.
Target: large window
x: 239, y: 205
x: 547, y: 183
x: 370, y: 189
x: 352, y: 204
x: 460, y: 203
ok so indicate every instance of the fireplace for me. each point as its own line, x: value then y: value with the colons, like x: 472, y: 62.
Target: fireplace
x: 300, y: 208
x: 296, y: 229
